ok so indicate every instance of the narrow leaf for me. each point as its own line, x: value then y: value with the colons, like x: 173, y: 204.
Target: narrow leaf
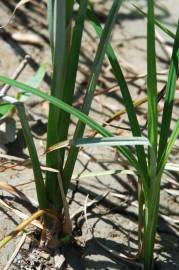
x: 151, y: 78
x: 114, y: 141
x: 5, y: 108
x: 170, y: 96
x: 57, y: 27
x: 95, y: 71
x: 160, y: 25
x: 170, y: 143
x: 103, y: 173
x: 61, y: 105
x: 126, y: 97
x: 40, y: 187
x: 72, y: 67
x: 38, y: 77
x: 21, y: 227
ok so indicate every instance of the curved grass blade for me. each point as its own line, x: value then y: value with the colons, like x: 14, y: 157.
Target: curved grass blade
x: 160, y: 25
x: 81, y: 116
x: 126, y: 97
x: 95, y: 71
x: 5, y: 108
x: 170, y: 96
x: 166, y: 153
x: 40, y: 187
x: 35, y: 81
x: 38, y: 77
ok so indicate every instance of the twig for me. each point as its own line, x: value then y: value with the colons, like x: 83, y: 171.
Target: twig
x: 17, y: 6
x: 121, y: 256
x: 20, y: 214
x: 16, y: 251
x: 85, y: 211
x: 21, y: 227
x: 16, y: 74
x: 26, y: 163
x: 117, y: 255
x: 128, y: 79
x: 96, y: 200
x: 136, y: 103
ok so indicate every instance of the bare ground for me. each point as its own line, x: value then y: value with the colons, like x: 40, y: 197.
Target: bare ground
x: 111, y: 223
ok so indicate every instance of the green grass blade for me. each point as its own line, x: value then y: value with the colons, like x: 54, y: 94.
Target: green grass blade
x: 58, y: 29
x: 69, y: 109
x: 95, y: 71
x: 126, y: 96
x: 153, y: 203
x: 40, y: 186
x: 38, y: 77
x: 103, y: 173
x: 160, y: 25
x: 166, y: 153
x: 35, y: 81
x: 5, y: 108
x: 69, y: 87
x: 69, y: 11
x: 151, y: 224
x: 151, y: 78
x: 170, y: 95
x: 96, y: 68
x: 120, y: 79
x: 151, y: 213
x: 100, y: 141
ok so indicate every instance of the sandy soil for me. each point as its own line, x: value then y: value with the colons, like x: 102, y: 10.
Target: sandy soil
x: 113, y: 221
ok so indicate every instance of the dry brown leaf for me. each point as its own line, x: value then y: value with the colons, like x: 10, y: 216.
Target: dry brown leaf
x: 21, y: 227
x: 20, y: 214
x: 11, y: 189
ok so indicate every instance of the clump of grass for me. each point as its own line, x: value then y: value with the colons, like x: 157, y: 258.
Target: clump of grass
x: 65, y: 33
x: 149, y: 165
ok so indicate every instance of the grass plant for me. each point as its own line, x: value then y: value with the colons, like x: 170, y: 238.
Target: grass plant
x: 149, y: 164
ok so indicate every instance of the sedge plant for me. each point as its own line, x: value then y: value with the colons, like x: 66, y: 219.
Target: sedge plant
x: 149, y: 163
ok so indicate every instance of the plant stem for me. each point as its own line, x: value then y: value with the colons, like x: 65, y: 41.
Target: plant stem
x: 140, y: 219
x: 151, y: 218
x: 57, y: 28
x: 40, y: 187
